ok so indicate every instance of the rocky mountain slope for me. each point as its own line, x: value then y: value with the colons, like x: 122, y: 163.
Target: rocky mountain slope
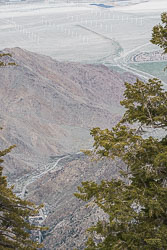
x: 68, y: 218
x: 47, y: 110
x: 48, y: 107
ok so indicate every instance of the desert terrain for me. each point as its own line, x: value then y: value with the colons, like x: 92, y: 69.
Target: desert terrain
x: 71, y: 60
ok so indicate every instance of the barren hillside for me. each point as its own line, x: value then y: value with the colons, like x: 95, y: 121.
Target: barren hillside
x: 47, y: 110
x: 48, y: 107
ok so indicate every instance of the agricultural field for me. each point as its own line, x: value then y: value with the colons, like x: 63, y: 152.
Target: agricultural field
x: 156, y: 68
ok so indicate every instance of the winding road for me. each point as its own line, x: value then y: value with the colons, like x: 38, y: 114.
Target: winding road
x: 53, y: 167
x: 41, y: 217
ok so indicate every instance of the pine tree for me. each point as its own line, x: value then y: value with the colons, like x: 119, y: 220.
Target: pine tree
x: 159, y: 35
x: 15, y: 228
x: 14, y: 213
x: 136, y: 202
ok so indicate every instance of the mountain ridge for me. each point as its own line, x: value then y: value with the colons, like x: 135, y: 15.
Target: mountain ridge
x: 47, y: 110
x: 48, y: 107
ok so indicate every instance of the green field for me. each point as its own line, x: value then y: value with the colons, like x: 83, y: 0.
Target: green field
x: 153, y: 68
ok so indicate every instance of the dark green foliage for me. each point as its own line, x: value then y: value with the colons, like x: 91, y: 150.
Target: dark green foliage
x: 159, y: 35
x: 136, y: 202
x: 14, y: 214
x: 145, y: 103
